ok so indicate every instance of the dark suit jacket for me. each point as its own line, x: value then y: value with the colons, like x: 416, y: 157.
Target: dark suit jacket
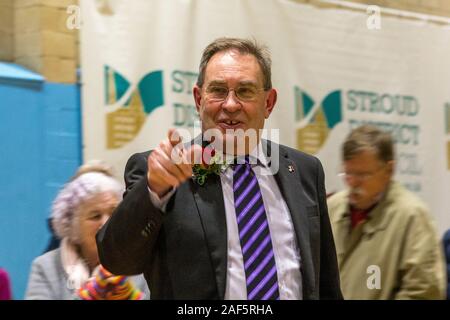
x: 183, y: 252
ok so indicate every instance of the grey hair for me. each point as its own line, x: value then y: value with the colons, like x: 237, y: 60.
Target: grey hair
x: 75, y: 192
x: 243, y: 46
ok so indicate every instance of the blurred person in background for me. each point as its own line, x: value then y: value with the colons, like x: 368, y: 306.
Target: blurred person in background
x: 80, y: 209
x: 5, y: 286
x: 386, y: 242
x: 92, y: 166
x: 447, y: 257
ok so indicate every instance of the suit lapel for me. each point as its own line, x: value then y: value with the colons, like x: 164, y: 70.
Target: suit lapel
x: 211, y: 208
x: 296, y: 200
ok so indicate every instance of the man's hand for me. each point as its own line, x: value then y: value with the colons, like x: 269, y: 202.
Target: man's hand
x: 170, y: 164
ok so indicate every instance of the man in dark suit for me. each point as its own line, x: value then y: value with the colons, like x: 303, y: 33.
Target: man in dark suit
x: 258, y: 229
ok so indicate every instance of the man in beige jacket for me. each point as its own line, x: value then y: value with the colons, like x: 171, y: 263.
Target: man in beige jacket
x: 386, y: 243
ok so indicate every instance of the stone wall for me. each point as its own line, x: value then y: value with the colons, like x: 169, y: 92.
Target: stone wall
x: 42, y: 41
x: 6, y: 30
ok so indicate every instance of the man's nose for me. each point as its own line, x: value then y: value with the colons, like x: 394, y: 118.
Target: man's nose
x: 231, y: 103
x: 352, y: 181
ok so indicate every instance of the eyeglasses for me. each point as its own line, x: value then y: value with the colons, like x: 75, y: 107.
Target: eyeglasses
x: 243, y: 93
x: 360, y: 176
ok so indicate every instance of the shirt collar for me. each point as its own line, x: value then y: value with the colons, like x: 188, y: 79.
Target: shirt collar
x: 258, y: 154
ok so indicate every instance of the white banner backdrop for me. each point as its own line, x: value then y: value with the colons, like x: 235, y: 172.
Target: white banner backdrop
x: 140, y: 60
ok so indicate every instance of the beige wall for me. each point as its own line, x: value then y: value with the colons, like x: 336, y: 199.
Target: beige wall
x: 6, y: 30
x: 33, y: 33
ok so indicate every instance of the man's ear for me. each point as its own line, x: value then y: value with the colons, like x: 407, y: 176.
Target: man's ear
x: 271, y: 100
x: 197, y: 92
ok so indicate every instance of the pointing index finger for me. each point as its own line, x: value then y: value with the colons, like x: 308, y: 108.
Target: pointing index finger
x: 174, y: 137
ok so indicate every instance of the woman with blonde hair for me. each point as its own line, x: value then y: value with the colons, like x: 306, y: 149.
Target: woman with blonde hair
x: 73, y: 270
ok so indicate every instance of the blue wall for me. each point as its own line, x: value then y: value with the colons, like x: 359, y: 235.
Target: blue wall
x: 40, y: 134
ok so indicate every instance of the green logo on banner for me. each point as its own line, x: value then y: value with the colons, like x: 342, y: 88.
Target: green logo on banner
x: 311, y: 137
x: 123, y: 124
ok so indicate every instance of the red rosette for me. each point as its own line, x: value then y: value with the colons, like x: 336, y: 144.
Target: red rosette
x: 207, y: 154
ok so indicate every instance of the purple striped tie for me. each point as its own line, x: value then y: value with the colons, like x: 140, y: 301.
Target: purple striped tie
x: 254, y: 235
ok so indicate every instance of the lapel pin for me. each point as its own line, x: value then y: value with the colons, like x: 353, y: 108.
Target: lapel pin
x: 291, y: 168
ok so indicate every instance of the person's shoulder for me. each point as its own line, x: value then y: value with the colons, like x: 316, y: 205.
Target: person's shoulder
x: 137, y: 160
x: 293, y: 154
x: 3, y: 276
x: 47, y: 279
x: 406, y: 203
x: 400, y: 195
x: 296, y: 153
x: 48, y: 259
x: 139, y: 156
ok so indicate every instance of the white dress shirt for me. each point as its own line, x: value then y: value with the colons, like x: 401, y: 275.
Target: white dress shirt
x: 285, y: 248
x: 286, y: 251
